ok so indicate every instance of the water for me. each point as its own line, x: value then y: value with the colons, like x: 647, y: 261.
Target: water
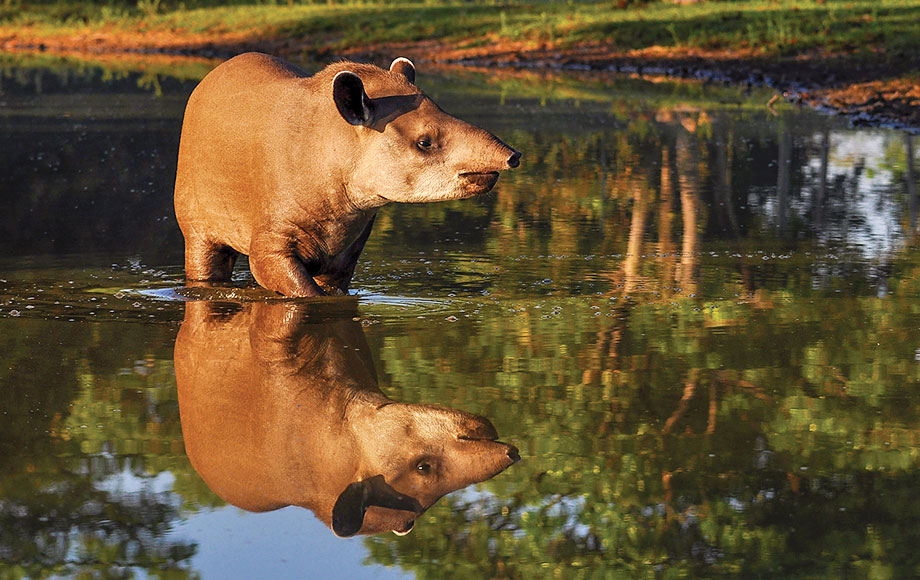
x: 697, y: 319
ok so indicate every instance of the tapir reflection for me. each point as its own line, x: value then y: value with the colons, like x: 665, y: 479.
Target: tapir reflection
x: 278, y: 410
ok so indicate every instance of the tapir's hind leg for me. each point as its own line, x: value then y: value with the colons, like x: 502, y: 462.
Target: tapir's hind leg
x: 206, y: 260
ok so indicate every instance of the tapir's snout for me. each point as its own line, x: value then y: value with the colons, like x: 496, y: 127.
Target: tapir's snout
x: 501, y: 156
x: 515, y: 159
x: 491, y: 157
x: 478, y: 432
x: 478, y: 151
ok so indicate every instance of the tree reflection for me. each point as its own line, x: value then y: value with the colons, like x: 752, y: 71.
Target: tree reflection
x: 821, y: 190
x: 697, y: 447
x: 681, y: 275
x: 748, y: 435
x: 689, y: 180
x: 911, y: 179
x: 766, y: 426
x: 61, y: 512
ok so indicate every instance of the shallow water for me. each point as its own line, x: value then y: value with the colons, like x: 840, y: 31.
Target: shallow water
x: 697, y: 319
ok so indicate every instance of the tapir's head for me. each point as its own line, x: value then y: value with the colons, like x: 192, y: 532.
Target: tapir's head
x: 409, y: 457
x: 408, y: 149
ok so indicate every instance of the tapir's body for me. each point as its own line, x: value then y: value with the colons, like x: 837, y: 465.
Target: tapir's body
x: 291, y: 169
x: 280, y: 410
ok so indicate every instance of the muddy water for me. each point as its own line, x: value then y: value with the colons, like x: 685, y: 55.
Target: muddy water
x: 697, y: 319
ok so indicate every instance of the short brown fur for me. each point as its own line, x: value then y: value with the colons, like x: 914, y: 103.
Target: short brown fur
x: 291, y: 169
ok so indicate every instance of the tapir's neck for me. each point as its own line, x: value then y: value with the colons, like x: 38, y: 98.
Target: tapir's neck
x: 331, y: 232
x: 362, y: 201
x: 325, y: 458
x: 330, y: 381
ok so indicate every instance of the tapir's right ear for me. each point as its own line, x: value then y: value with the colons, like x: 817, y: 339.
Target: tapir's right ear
x: 404, y: 66
x: 353, y: 103
x: 348, y: 511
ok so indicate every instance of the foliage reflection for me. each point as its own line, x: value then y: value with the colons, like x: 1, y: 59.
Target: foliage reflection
x: 696, y: 320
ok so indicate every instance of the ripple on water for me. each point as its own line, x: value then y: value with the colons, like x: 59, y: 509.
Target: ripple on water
x: 124, y: 298
x: 375, y: 304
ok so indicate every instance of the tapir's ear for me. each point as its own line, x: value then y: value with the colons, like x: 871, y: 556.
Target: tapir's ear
x: 350, y: 98
x: 404, y: 66
x: 349, y: 509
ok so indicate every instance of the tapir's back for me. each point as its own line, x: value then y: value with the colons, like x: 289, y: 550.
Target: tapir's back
x: 227, y: 127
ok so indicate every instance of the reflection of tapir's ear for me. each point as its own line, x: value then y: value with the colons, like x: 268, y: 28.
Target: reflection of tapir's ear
x: 404, y: 66
x: 350, y: 98
x: 349, y: 509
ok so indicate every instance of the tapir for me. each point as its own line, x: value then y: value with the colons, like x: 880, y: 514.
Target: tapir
x: 278, y: 409
x: 290, y: 169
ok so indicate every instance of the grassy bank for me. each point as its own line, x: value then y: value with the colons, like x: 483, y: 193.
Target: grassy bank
x: 751, y: 27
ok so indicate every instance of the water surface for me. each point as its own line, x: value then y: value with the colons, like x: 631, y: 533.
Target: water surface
x: 695, y: 316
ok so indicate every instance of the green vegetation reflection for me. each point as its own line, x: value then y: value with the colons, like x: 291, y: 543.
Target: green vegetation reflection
x: 90, y: 420
x: 678, y: 311
x: 754, y: 437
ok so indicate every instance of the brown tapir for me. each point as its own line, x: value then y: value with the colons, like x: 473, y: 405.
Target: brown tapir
x: 280, y: 410
x: 291, y: 169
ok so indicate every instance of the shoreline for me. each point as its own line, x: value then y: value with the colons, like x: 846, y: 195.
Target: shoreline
x: 867, y: 93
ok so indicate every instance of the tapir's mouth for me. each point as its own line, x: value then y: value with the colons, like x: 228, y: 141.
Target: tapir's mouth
x: 472, y: 438
x: 512, y: 455
x: 481, y: 181
x: 478, y: 429
x: 486, y: 432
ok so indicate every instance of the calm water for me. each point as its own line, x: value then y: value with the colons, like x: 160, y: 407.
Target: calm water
x: 697, y: 318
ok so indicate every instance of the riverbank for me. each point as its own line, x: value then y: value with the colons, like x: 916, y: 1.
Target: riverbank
x: 860, y: 58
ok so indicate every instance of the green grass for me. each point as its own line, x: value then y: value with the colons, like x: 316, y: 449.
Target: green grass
x: 755, y: 27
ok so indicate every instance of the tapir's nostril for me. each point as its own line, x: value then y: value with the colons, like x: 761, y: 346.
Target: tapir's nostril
x: 514, y: 160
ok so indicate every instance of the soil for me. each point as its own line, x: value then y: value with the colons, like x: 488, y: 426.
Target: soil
x: 875, y: 89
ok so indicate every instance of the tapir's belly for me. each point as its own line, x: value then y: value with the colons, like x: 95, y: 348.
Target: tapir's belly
x: 218, y: 211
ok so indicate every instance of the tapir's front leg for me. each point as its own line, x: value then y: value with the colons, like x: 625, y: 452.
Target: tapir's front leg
x: 342, y: 267
x: 277, y: 264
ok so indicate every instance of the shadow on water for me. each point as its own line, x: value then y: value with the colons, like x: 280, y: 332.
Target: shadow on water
x: 695, y: 319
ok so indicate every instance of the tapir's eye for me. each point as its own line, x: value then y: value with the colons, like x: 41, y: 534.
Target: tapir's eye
x: 424, y: 143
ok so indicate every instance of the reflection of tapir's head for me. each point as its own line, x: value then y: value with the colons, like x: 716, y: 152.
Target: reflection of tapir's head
x: 278, y: 410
